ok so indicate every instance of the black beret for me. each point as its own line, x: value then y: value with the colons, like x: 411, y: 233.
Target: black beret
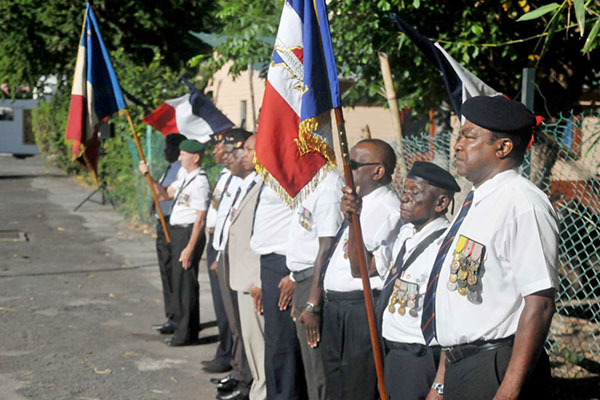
x: 174, y: 139
x: 433, y: 175
x: 499, y: 114
x: 191, y: 146
x: 236, y: 137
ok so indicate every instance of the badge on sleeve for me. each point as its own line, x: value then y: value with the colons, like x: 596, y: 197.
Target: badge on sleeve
x: 464, y: 268
x: 305, y: 218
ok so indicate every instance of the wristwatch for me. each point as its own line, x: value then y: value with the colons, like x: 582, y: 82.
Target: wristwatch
x: 438, y: 387
x: 310, y: 307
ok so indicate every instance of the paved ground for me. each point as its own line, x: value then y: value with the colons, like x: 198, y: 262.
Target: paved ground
x: 78, y: 298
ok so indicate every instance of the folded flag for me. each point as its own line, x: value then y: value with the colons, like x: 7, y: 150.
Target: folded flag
x: 294, y: 144
x: 461, y: 84
x: 192, y: 115
x: 95, y: 95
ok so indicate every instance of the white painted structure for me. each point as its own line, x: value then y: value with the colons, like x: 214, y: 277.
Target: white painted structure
x: 16, y: 133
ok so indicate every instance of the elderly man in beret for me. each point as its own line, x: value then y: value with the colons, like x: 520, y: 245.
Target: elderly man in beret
x: 490, y: 297
x: 410, y: 366
x: 190, y: 193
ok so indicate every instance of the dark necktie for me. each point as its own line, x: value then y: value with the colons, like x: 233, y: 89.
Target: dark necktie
x: 428, y: 318
x: 237, y: 194
x: 397, y: 268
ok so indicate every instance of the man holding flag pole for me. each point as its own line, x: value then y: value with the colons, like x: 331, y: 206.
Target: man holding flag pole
x: 294, y: 144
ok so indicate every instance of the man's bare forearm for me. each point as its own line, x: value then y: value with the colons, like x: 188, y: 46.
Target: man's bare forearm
x: 354, y: 257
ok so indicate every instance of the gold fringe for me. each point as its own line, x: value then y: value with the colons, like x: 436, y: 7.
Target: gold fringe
x: 308, y: 141
x: 292, y: 202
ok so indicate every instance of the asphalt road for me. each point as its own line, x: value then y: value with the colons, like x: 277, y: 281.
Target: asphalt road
x: 79, y: 296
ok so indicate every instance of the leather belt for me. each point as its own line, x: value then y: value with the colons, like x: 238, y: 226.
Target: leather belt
x: 459, y: 352
x: 331, y: 295
x: 303, y: 275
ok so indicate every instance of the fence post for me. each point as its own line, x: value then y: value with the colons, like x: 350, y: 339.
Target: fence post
x: 527, y: 97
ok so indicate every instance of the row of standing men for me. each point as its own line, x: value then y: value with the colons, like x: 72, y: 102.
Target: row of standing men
x: 463, y: 308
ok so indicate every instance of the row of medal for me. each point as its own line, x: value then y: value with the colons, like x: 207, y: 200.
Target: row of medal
x: 405, y: 295
x: 464, y: 268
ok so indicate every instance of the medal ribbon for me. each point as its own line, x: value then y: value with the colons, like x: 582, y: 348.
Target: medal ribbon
x: 428, y: 319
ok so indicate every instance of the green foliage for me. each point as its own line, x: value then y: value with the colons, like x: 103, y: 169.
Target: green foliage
x: 39, y: 38
x: 484, y: 36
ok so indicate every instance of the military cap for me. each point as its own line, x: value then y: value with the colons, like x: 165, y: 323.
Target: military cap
x: 499, y: 114
x: 236, y: 137
x: 433, y: 175
x: 216, y: 137
x: 191, y: 146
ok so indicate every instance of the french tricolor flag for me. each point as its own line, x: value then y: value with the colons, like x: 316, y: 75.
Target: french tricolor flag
x: 294, y: 144
x: 192, y: 115
x: 95, y: 95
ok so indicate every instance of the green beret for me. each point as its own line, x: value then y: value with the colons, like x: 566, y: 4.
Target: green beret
x: 191, y: 146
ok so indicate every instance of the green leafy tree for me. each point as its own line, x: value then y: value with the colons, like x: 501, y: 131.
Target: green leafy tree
x: 483, y: 35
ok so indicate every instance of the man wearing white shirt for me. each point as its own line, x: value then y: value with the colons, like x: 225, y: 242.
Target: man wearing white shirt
x: 497, y: 266
x: 410, y: 366
x: 311, y: 234
x: 186, y: 227
x: 283, y: 360
x: 163, y: 249
x: 346, y: 344
x: 221, y: 362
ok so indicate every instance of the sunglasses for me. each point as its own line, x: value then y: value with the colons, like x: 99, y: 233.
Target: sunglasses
x: 354, y: 165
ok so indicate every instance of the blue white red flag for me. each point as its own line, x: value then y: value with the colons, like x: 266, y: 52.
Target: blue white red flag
x: 95, y: 95
x: 294, y: 144
x: 192, y: 115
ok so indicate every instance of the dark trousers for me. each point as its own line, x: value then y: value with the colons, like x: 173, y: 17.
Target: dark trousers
x: 223, y: 354
x: 478, y: 377
x: 185, y: 299
x: 283, y: 361
x: 163, y: 252
x: 239, y: 362
x: 313, y: 362
x: 346, y: 347
x: 409, y: 370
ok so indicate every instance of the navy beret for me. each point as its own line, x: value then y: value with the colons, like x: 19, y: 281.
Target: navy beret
x: 433, y: 175
x: 191, y: 146
x: 499, y: 114
x: 236, y: 137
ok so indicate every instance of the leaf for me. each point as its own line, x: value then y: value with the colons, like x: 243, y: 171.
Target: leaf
x: 538, y: 12
x: 590, y: 42
x: 580, y: 14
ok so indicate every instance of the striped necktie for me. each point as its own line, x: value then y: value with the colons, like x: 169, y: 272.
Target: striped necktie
x: 428, y: 318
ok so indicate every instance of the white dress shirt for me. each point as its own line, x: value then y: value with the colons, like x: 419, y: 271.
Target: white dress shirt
x: 380, y: 222
x: 223, y: 213
x: 516, y: 223
x: 211, y: 215
x: 407, y: 328
x: 271, y: 224
x: 319, y: 215
x: 173, y: 173
x: 191, y: 194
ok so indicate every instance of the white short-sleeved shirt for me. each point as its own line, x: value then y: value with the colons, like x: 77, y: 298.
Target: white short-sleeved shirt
x: 211, y: 215
x: 271, y: 224
x: 245, y: 187
x: 380, y: 222
x: 173, y: 173
x: 191, y: 194
x: 407, y: 328
x: 516, y: 223
x: 319, y: 215
x: 223, y: 213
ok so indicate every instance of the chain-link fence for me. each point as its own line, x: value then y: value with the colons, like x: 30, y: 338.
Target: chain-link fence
x: 564, y: 162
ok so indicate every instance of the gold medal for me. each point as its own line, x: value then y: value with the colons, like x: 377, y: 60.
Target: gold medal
x: 462, y: 291
x: 453, y: 278
x: 472, y: 280
x: 391, y: 308
x: 402, y: 310
x: 462, y: 275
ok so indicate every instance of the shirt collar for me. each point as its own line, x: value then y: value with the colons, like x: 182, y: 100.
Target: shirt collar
x: 193, y: 173
x: 491, y: 185
x: 414, y: 238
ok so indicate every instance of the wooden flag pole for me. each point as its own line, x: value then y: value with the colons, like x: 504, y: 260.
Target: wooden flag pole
x: 148, y: 178
x: 377, y: 355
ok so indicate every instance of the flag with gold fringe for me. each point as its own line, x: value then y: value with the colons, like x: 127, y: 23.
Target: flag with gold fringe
x: 95, y: 95
x: 294, y: 143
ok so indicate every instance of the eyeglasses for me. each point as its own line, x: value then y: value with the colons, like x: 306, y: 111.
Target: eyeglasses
x: 354, y: 165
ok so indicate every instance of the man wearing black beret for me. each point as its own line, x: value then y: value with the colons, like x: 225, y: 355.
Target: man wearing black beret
x: 410, y: 366
x: 490, y: 297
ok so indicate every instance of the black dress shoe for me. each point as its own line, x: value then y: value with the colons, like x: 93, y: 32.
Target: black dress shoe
x: 168, y: 328
x: 228, y: 386
x: 234, y: 395
x: 216, y: 367
x: 216, y: 381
